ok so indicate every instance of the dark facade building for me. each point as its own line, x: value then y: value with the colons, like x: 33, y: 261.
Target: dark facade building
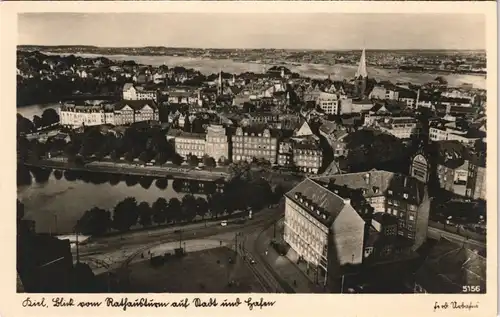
x: 254, y: 143
x: 476, y: 178
x: 401, y: 196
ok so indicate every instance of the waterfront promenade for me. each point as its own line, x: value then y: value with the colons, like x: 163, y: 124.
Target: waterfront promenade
x: 166, y: 170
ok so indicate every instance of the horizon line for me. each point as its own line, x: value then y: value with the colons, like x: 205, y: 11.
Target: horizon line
x: 254, y: 48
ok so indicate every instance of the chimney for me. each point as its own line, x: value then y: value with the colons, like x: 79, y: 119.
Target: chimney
x: 367, y: 178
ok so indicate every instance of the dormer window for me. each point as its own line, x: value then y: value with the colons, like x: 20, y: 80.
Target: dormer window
x: 317, y: 212
x: 301, y: 199
x: 296, y: 195
x: 324, y: 216
x: 405, y: 195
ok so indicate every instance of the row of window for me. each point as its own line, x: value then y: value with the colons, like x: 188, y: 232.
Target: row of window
x: 254, y: 139
x: 314, y: 249
x: 189, y: 146
x: 297, y: 212
x: 307, y: 158
x: 216, y: 139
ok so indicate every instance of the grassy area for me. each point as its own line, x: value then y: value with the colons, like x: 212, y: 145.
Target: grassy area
x: 207, y: 271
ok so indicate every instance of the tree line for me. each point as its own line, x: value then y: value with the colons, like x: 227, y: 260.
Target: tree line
x: 240, y: 195
x: 25, y: 126
x: 129, y: 213
x: 137, y: 144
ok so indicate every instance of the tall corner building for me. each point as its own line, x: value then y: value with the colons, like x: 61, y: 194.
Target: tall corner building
x: 323, y: 228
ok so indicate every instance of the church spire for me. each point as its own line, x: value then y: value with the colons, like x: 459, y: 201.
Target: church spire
x: 361, y: 72
x: 220, y: 83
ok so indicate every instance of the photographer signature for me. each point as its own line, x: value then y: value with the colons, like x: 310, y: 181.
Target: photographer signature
x: 455, y: 305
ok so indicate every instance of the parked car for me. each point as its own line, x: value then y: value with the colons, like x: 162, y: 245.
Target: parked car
x: 223, y: 223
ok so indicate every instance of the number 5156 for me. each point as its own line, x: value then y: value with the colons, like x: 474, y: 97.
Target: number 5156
x: 471, y: 289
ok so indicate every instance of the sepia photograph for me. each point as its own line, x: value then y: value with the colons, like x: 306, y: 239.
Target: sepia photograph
x: 232, y: 153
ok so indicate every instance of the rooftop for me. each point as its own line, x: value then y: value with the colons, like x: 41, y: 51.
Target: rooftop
x: 377, y: 183
x: 135, y: 104
x: 318, y: 199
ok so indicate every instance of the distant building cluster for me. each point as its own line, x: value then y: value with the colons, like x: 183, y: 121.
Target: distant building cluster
x: 120, y: 113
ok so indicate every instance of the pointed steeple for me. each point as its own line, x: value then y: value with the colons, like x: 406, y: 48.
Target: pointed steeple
x: 219, y: 84
x: 361, y: 72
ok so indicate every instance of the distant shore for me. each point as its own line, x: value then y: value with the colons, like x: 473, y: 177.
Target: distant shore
x: 207, y: 66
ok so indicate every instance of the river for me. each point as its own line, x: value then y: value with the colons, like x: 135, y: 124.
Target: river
x: 56, y: 204
x: 337, y: 72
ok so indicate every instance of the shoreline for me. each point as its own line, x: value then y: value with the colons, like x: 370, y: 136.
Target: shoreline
x: 129, y: 169
x: 307, y: 69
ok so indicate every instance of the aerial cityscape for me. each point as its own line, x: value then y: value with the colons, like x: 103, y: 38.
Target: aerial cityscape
x: 168, y: 169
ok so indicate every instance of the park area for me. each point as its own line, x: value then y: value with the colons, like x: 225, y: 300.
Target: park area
x: 214, y: 270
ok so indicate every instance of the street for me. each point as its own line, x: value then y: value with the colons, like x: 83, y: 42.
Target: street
x: 472, y: 244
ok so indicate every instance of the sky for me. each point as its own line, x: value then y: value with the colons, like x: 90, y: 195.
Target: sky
x: 255, y: 30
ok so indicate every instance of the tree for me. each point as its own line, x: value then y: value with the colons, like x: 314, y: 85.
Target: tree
x: 125, y: 214
x: 193, y: 160
x: 223, y: 161
x: 145, y: 182
x: 159, y: 208
x: 197, y: 126
x: 177, y: 159
x: 188, y: 209
x: 209, y: 161
x: 145, y: 157
x: 114, y: 155
x: 161, y: 183
x: 187, y: 125
x: 95, y: 221
x: 37, y: 122
x: 49, y: 117
x: 201, y: 207
x: 279, y: 191
x: 259, y: 188
x: 160, y: 158
x: 24, y: 125
x: 145, y: 214
x: 174, y: 209
x: 216, y: 204
x: 240, y: 170
x: 130, y: 156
